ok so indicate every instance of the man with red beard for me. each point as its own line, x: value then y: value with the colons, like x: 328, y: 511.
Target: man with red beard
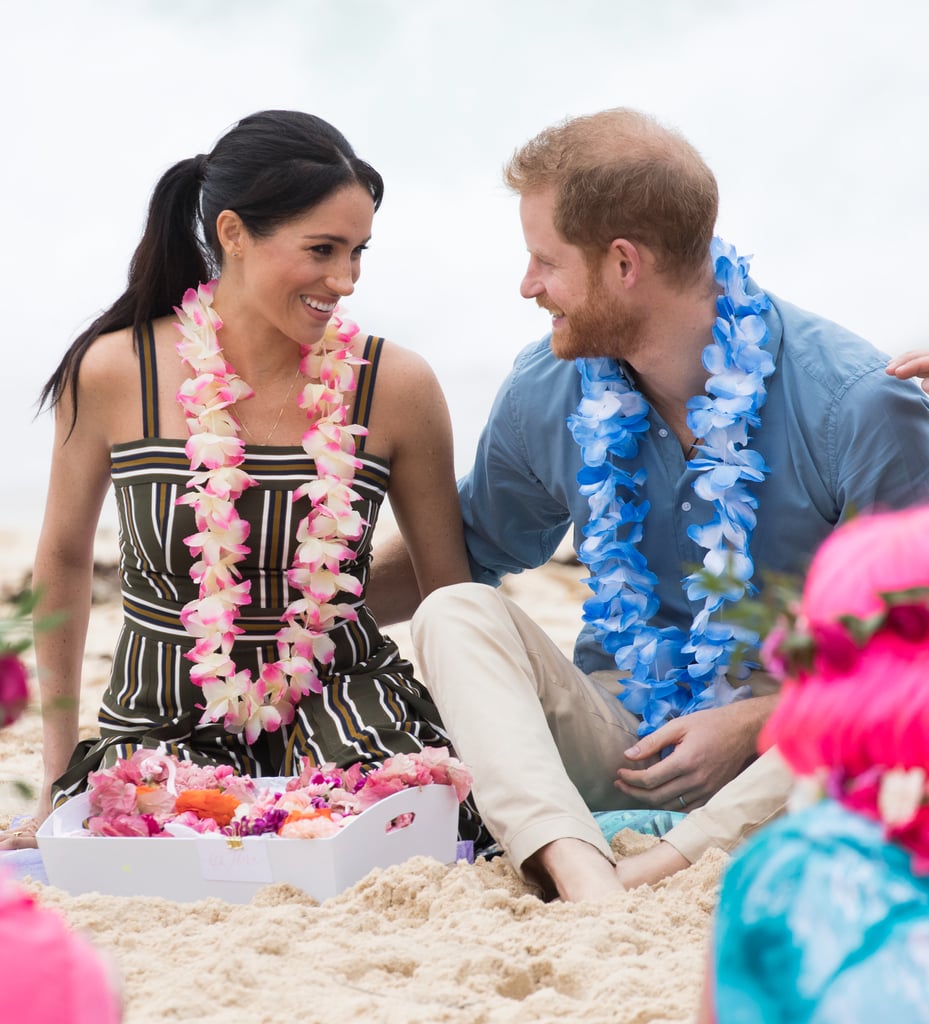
x: 696, y: 434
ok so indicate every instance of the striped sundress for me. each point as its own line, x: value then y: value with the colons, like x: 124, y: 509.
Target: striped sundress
x: 371, y: 706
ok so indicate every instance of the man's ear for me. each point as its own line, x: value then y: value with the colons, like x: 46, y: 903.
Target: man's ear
x: 624, y: 262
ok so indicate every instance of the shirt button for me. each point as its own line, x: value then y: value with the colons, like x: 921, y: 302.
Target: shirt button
x: 662, y: 432
x: 686, y: 506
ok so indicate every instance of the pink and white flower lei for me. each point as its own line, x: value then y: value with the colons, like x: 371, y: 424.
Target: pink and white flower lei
x: 216, y: 453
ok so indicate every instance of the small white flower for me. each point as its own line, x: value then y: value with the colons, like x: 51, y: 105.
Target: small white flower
x: 900, y: 795
x: 807, y: 791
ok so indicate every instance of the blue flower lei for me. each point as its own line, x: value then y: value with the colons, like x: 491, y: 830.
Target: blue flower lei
x: 670, y: 672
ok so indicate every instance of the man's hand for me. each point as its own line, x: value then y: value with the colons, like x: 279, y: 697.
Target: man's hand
x: 709, y: 749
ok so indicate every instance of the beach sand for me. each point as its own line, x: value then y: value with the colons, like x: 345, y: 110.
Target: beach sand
x: 420, y: 942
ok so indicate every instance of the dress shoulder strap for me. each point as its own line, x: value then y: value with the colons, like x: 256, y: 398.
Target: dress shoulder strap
x: 364, y: 385
x: 148, y: 365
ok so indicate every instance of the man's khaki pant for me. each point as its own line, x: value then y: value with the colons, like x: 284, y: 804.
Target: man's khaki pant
x: 544, y: 740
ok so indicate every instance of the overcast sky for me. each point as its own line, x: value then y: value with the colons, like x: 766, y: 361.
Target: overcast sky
x: 812, y: 113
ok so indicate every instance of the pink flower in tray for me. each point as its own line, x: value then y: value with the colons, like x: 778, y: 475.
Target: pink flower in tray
x: 215, y: 776
x: 304, y: 798
x: 398, y: 772
x: 154, y: 800
x: 309, y: 828
x: 323, y: 775
x: 193, y: 821
x: 353, y: 777
x: 126, y: 770
x: 240, y: 786
x: 447, y: 770
x: 110, y: 795
x: 143, y: 825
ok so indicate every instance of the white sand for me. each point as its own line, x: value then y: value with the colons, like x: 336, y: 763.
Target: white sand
x: 420, y: 942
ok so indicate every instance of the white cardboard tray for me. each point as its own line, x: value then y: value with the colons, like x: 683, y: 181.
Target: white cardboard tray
x: 199, y: 866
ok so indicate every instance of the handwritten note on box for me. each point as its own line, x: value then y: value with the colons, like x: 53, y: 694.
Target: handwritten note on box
x: 244, y: 861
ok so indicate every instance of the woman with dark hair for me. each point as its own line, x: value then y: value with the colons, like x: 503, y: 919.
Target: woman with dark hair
x: 251, y: 434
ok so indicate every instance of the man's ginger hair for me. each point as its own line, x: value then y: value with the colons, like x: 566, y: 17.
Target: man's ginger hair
x: 620, y: 174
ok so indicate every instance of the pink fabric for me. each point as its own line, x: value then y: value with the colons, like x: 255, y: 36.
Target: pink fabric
x: 874, y: 710
x: 861, y: 708
x: 49, y: 974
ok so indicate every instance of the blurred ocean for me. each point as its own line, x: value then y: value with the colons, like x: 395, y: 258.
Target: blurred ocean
x: 811, y: 113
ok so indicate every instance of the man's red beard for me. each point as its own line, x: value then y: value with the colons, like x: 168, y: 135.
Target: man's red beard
x: 599, y: 328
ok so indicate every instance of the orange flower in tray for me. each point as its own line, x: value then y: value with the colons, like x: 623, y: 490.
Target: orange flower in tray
x: 208, y: 803
x: 312, y: 823
x: 317, y: 812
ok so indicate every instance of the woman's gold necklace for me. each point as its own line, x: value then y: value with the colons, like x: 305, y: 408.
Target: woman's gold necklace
x: 280, y: 415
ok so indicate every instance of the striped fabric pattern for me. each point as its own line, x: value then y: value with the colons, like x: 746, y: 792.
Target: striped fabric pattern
x: 371, y: 707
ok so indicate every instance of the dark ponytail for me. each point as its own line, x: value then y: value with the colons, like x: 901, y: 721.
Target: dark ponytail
x: 168, y: 259
x: 268, y: 168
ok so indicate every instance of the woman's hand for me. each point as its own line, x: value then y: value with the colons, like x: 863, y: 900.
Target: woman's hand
x: 20, y: 837
x: 650, y: 866
x: 911, y: 364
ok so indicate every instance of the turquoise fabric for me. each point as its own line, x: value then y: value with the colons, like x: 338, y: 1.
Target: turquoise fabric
x: 650, y: 823
x: 822, y: 921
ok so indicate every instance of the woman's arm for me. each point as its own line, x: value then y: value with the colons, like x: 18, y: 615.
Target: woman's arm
x: 63, y: 568
x: 410, y: 418
x: 393, y: 593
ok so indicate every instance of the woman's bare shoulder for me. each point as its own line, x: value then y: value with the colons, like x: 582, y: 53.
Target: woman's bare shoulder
x: 107, y: 361
x: 113, y: 358
x: 403, y: 365
x: 408, y: 402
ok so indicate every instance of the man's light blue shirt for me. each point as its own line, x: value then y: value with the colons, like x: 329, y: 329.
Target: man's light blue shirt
x: 839, y: 435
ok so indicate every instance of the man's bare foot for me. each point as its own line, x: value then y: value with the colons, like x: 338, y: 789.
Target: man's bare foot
x: 650, y: 866
x: 578, y: 870
x: 22, y: 837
